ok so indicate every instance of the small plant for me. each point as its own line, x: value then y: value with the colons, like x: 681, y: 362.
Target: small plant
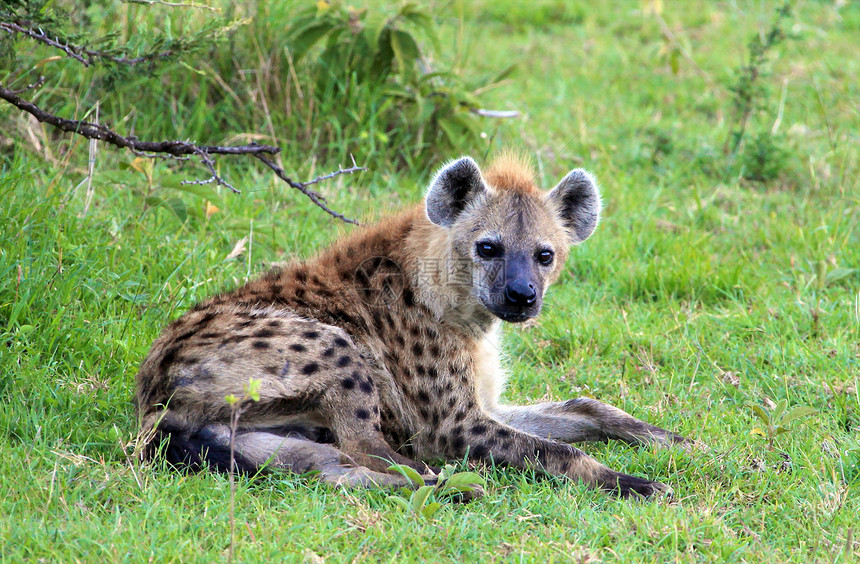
x: 252, y: 393
x: 379, y: 62
x: 748, y: 91
x: 424, y: 500
x: 776, y: 422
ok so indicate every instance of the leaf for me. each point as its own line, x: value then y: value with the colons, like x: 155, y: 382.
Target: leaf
x: 401, y: 502
x: 465, y: 479
x: 409, y: 473
x: 307, y: 38
x: 776, y: 416
x: 797, y: 413
x: 238, y: 249
x: 252, y: 388
x: 779, y: 430
x: 758, y: 431
x: 175, y: 205
x: 405, y: 51
x: 419, y: 497
x: 431, y: 509
x: 761, y: 413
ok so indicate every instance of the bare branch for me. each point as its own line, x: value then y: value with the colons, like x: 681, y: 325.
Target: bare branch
x: 181, y: 150
x: 302, y: 186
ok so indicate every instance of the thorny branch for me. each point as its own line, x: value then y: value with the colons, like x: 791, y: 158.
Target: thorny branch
x: 81, y: 54
x: 179, y: 149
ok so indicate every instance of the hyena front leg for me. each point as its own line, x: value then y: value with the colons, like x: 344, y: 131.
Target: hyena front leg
x: 583, y: 419
x: 486, y: 439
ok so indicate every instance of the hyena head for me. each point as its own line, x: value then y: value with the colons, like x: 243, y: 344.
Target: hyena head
x: 512, y: 237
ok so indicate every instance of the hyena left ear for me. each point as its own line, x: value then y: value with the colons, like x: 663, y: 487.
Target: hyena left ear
x: 454, y: 188
x: 578, y: 202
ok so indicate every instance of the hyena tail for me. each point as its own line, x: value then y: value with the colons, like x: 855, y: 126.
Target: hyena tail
x: 198, y: 449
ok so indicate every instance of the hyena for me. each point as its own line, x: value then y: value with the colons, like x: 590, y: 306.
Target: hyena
x: 384, y: 348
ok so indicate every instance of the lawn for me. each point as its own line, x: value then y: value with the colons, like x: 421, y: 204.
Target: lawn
x: 718, y: 280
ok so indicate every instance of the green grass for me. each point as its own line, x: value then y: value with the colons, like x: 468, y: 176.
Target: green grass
x: 702, y: 292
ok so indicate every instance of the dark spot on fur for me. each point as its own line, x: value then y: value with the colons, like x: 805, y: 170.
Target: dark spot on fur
x: 185, y: 336
x: 329, y: 352
x: 457, y: 442
x: 362, y: 413
x: 300, y: 293
x: 478, y: 429
x: 415, y: 331
x: 210, y: 335
x: 311, y: 334
x: 479, y: 451
x: 433, y: 373
x: 168, y: 358
x: 434, y: 351
x: 341, y: 342
x: 264, y: 333
x: 366, y: 386
x: 310, y: 368
x: 417, y: 349
x: 344, y: 361
x: 301, y: 276
x: 347, y: 383
x: 421, y: 370
x: 503, y: 433
x: 401, y: 342
x: 298, y: 347
x: 408, y: 297
x: 260, y: 345
x: 423, y: 396
x: 204, y: 321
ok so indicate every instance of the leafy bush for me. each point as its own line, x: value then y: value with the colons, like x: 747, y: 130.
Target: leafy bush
x: 372, y: 77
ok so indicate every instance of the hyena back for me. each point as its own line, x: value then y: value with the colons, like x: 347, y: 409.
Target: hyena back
x: 384, y: 348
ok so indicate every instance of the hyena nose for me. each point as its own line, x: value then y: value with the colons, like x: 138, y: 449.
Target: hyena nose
x: 521, y: 294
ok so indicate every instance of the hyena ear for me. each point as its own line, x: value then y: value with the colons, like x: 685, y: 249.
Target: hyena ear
x: 578, y: 202
x: 454, y: 187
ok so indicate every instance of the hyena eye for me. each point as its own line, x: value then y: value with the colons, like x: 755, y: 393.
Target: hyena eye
x: 487, y: 250
x: 545, y: 257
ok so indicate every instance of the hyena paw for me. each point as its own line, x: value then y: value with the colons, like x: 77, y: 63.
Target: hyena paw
x: 627, y: 486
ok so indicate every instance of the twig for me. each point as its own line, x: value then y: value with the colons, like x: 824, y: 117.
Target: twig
x: 302, y: 186
x: 39, y: 82
x: 44, y: 38
x: 81, y: 54
x: 181, y: 150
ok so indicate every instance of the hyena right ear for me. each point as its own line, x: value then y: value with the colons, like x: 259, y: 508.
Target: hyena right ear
x: 578, y: 202
x: 455, y: 187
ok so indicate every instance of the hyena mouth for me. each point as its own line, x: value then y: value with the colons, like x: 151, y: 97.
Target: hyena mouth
x: 513, y: 314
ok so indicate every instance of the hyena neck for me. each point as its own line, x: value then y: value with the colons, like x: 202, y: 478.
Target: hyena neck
x: 444, y: 284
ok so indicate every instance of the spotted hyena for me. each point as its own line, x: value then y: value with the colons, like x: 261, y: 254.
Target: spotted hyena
x: 385, y: 347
